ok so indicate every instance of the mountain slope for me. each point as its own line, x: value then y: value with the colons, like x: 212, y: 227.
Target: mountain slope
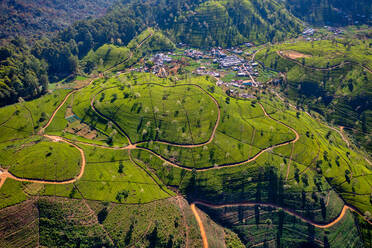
x: 34, y: 18
x: 197, y: 23
x: 332, y: 78
x: 332, y: 12
x: 228, y: 23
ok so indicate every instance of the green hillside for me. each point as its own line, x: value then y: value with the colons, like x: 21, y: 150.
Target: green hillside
x: 109, y: 56
x: 243, y: 151
x: 331, y: 12
x: 105, y: 57
x: 330, y: 77
x: 34, y: 19
x: 161, y: 128
x: 228, y: 23
x: 197, y: 23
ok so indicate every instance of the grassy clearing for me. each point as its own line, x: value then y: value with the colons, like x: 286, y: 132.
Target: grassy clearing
x: 21, y: 120
x: 82, y: 109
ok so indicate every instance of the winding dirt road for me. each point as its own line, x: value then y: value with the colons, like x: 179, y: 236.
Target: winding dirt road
x: 256, y: 156
x: 287, y: 210
x: 4, y: 174
x: 201, y: 226
x: 41, y: 131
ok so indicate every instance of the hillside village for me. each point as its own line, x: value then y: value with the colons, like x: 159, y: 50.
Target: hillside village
x: 233, y: 68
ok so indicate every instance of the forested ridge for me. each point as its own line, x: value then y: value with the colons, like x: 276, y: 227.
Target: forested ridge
x: 195, y: 22
x: 36, y: 18
x: 332, y: 12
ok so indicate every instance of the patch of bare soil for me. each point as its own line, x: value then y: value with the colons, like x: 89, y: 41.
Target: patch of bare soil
x: 294, y: 54
x: 174, y: 70
x: 82, y: 130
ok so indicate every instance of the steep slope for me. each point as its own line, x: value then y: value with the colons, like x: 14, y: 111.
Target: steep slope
x: 330, y: 77
x: 228, y: 23
x: 197, y: 23
x: 34, y: 18
x: 332, y: 12
x: 108, y: 56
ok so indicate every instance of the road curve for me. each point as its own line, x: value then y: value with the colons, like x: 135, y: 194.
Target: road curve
x: 256, y: 156
x: 287, y: 210
x: 6, y: 174
x: 41, y: 131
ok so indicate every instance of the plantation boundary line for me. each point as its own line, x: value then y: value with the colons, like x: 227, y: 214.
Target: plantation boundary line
x: 160, y: 141
x: 287, y: 210
x: 4, y: 174
x: 182, y: 210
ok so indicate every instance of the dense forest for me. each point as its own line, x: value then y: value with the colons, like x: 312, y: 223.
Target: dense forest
x: 35, y: 18
x: 216, y: 23
x: 332, y: 12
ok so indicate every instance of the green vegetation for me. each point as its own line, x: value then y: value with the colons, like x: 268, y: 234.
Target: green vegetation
x: 260, y: 151
x: 21, y: 73
x: 100, y: 42
x: 341, y: 94
x: 229, y: 23
x: 267, y: 226
x: 159, y: 224
x: 105, y: 57
x: 57, y: 227
x: 35, y: 19
x: 232, y: 240
x: 332, y: 12
x: 102, y: 181
x: 11, y: 193
x: 157, y: 112
x: 109, y: 167
x: 45, y: 160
